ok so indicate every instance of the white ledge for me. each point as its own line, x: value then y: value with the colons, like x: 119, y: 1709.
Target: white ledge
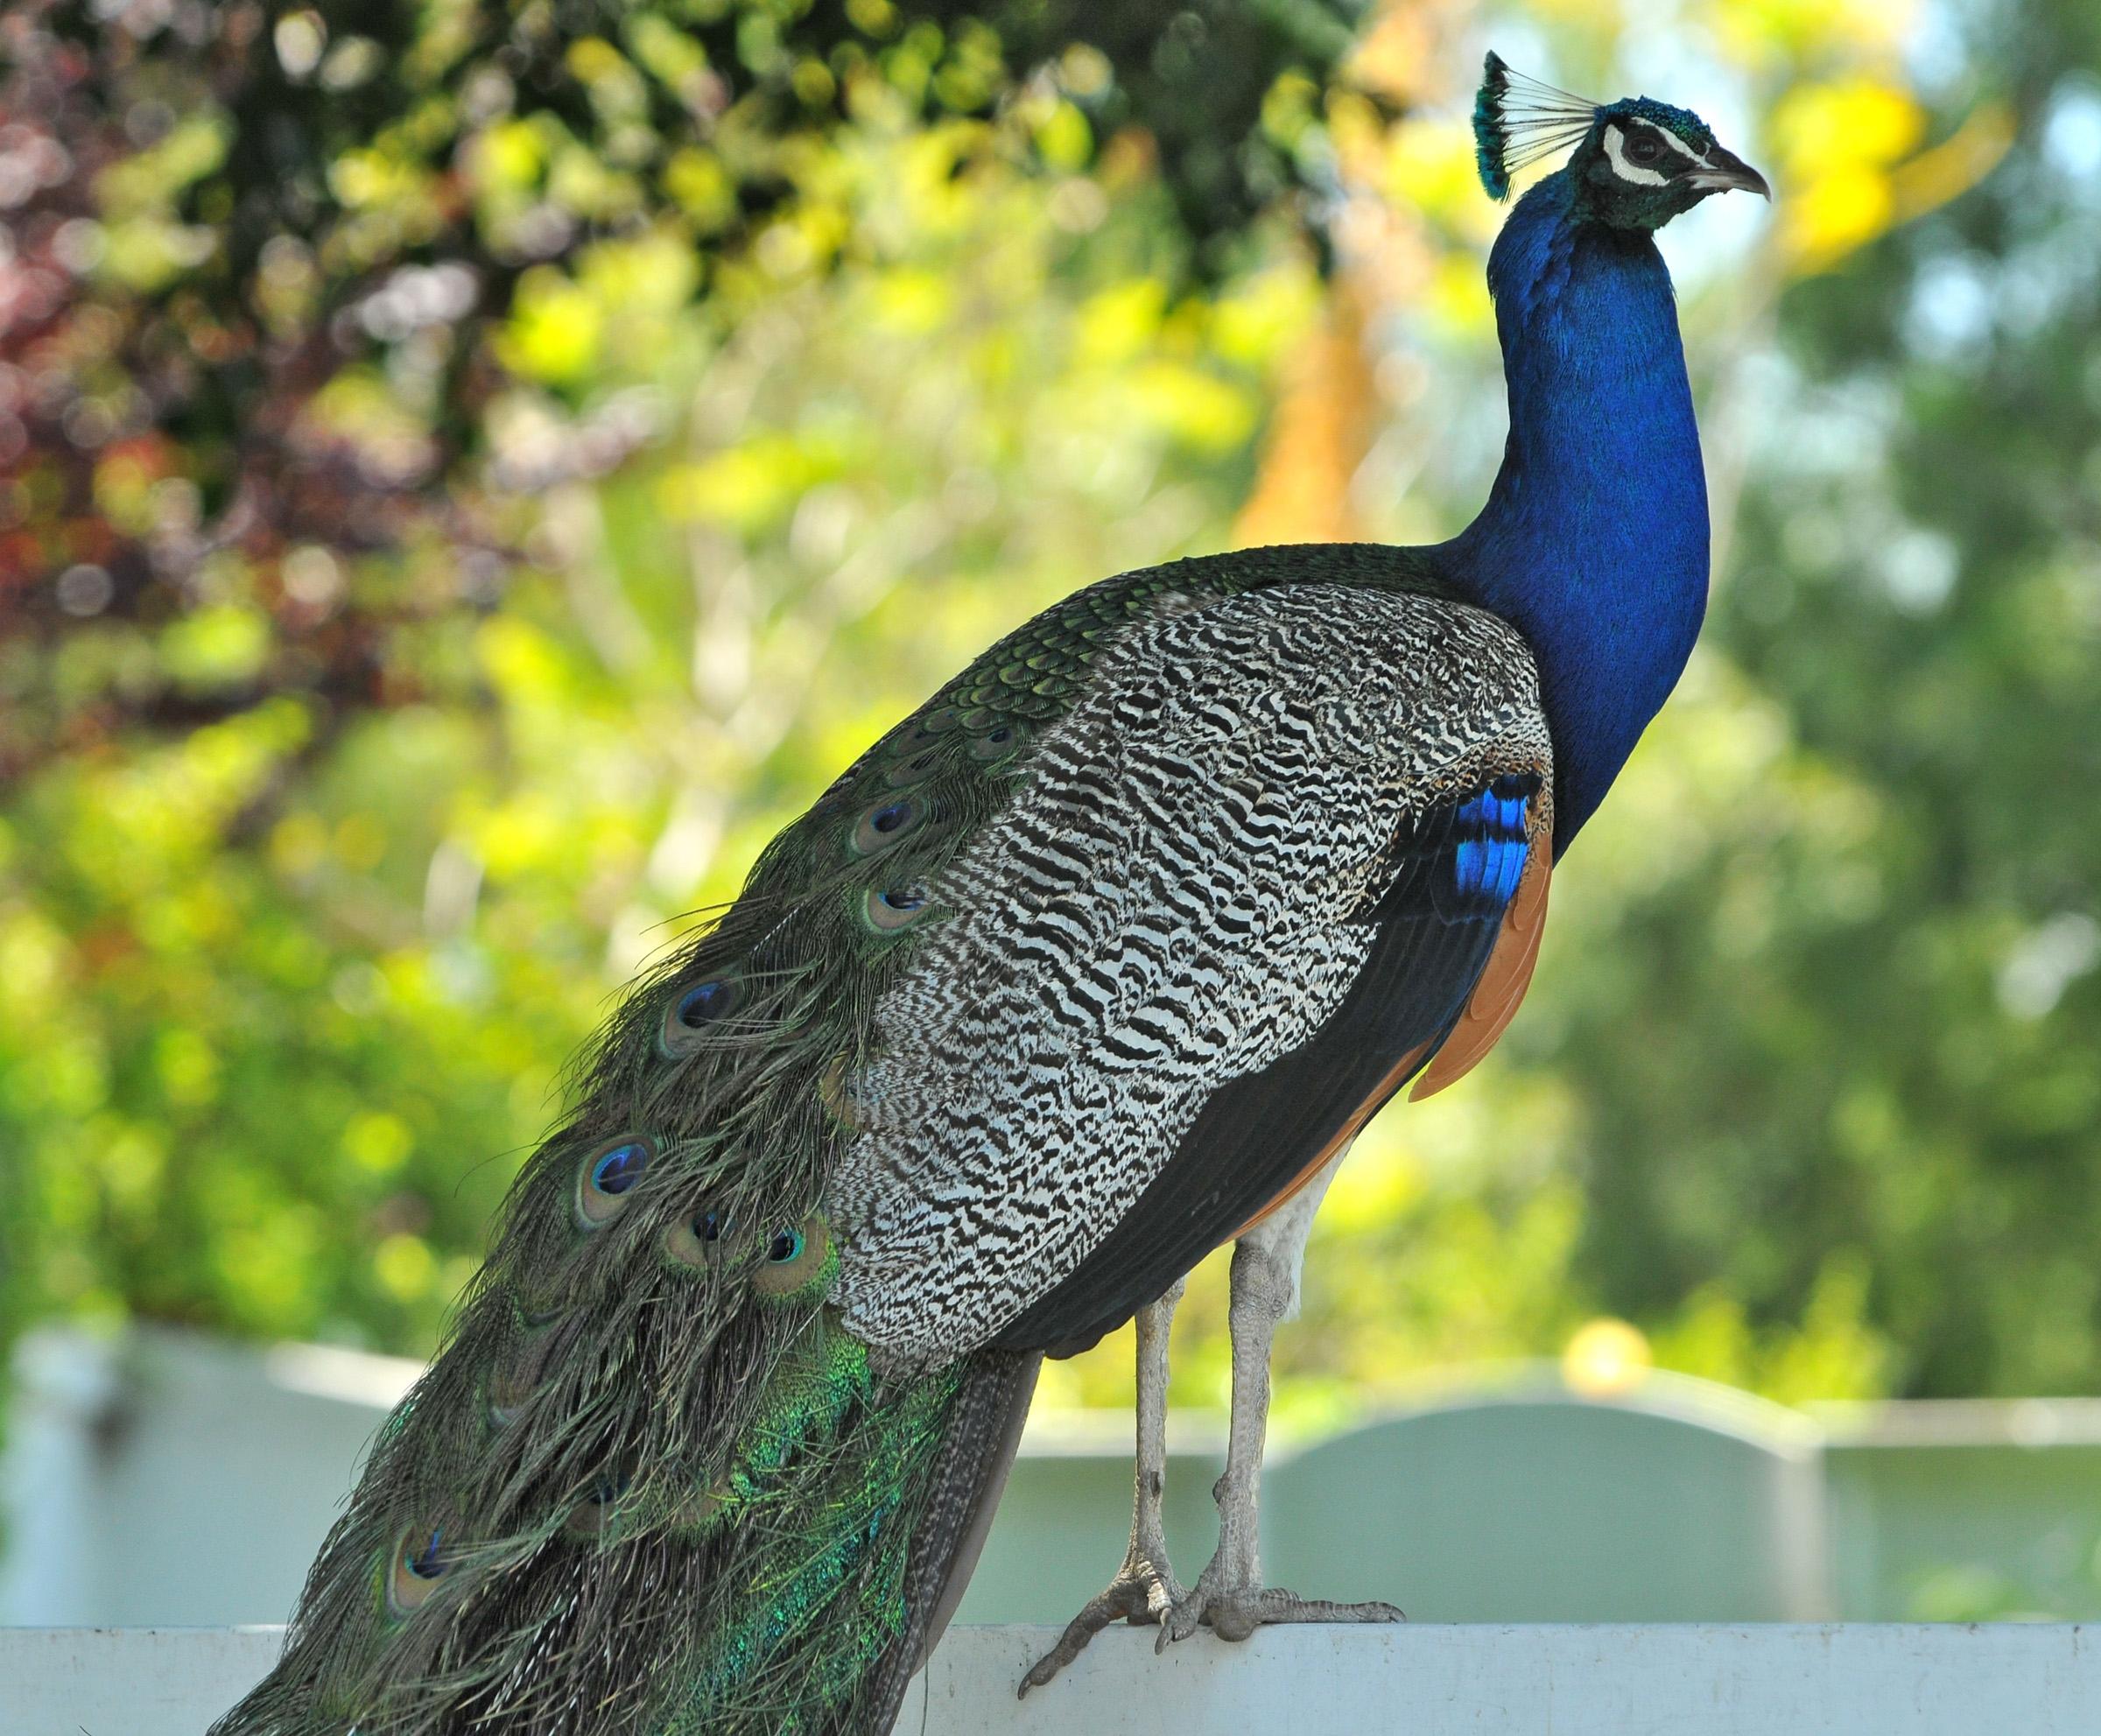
x: 1840, y: 1680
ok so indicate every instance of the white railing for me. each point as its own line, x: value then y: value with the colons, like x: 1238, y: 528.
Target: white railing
x: 1778, y: 1680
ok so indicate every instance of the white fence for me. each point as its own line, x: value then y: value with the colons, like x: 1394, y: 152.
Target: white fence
x: 166, y: 1479
x: 2032, y: 1680
x: 169, y: 1479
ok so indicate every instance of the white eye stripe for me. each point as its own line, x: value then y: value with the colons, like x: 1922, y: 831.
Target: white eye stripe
x: 1615, y: 150
x: 1677, y: 144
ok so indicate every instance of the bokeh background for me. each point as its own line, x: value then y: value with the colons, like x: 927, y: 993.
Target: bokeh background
x: 470, y: 472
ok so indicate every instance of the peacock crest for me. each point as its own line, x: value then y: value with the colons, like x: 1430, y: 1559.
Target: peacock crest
x: 1518, y: 120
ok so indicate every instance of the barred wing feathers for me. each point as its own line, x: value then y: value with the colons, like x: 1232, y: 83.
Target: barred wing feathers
x: 1266, y: 856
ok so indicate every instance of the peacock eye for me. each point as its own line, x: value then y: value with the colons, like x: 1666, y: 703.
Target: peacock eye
x: 694, y: 1012
x: 885, y: 823
x: 588, y: 1517
x: 418, y: 1563
x: 896, y: 906
x: 697, y: 1241
x: 995, y: 744
x: 620, y: 1168
x: 1644, y: 147
x: 705, y: 1002
x: 917, y: 769
x: 795, y: 1257
x: 608, y: 1173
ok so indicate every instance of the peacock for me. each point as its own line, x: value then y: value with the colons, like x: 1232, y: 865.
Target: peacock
x: 1098, y: 960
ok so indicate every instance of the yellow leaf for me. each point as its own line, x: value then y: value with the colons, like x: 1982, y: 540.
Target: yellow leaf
x: 1120, y: 321
x: 1192, y: 407
x: 592, y: 58
x: 1064, y: 138
x: 1835, y: 213
x: 555, y: 329
x: 507, y: 157
x: 1428, y: 166
x: 1765, y: 32
x: 752, y: 487
x: 697, y: 179
x: 1458, y: 296
x: 377, y: 1141
x: 1818, y: 129
x: 913, y: 303
x: 404, y: 1266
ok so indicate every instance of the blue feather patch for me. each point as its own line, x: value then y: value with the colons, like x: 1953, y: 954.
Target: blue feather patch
x: 1492, y: 846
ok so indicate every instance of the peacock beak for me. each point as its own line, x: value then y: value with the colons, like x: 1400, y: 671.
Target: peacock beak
x: 1722, y: 171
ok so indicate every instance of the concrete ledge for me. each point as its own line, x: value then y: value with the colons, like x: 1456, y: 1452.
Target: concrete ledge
x: 2036, y: 1680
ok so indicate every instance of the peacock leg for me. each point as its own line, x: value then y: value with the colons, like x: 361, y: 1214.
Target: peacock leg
x: 1229, y: 1597
x: 1145, y: 1586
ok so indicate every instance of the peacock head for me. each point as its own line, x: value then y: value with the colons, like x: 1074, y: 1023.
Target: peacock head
x: 1637, y: 162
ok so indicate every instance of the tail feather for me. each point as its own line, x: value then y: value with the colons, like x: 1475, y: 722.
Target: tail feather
x: 985, y: 1429
x: 651, y: 1487
x: 800, y: 1594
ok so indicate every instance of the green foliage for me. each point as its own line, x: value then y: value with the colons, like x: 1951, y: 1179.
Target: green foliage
x: 316, y: 870
x: 288, y: 285
x: 1876, y: 958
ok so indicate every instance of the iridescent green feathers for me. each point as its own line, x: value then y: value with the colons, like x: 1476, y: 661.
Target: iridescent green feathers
x: 1682, y: 122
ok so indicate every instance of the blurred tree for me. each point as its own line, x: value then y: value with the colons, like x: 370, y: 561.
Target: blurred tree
x: 273, y: 269
x: 324, y: 831
x: 1842, y: 1043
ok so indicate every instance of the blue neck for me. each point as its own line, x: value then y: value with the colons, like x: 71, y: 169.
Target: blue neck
x: 1594, y: 540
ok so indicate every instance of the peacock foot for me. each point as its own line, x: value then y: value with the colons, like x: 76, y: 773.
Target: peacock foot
x: 1235, y: 1611
x: 1143, y: 1590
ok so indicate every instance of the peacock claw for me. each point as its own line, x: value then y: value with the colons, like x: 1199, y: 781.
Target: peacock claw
x: 1233, y: 1613
x: 1141, y: 1593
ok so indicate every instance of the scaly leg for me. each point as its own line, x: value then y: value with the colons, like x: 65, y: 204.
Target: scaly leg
x: 1229, y: 1597
x: 1145, y: 1586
